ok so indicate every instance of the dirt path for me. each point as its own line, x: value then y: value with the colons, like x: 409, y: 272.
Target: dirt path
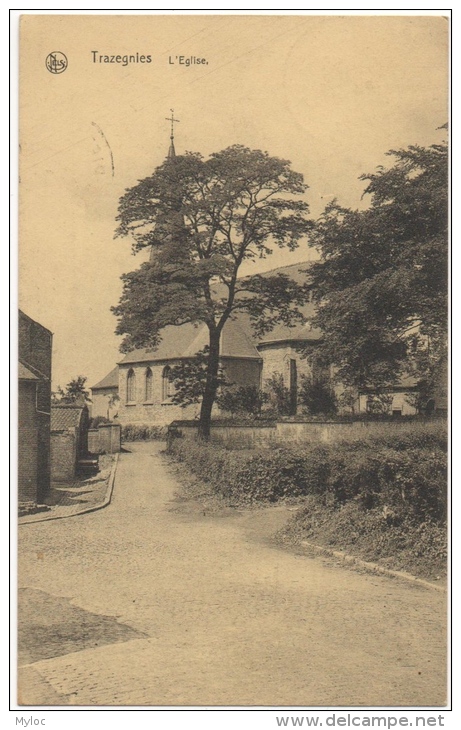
x: 146, y: 604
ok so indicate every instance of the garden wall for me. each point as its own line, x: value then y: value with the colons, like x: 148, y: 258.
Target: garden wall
x: 106, y: 439
x: 293, y: 432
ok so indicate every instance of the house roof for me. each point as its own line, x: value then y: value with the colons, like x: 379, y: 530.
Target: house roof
x: 25, y: 374
x: 186, y: 340
x: 66, y: 415
x: 109, y: 381
x: 23, y: 315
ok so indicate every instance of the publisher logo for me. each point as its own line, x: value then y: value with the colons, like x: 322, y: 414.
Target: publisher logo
x: 56, y: 62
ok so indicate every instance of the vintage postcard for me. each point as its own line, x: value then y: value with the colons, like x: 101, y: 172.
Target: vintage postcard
x: 232, y: 363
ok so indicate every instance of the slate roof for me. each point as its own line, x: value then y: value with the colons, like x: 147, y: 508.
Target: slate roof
x: 25, y: 374
x: 187, y: 339
x: 65, y: 415
x: 109, y: 381
x: 238, y: 339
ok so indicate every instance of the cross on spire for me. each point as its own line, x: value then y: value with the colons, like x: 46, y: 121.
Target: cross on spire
x: 172, y: 120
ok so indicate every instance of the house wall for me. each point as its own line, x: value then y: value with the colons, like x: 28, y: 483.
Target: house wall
x: 401, y: 401
x: 35, y: 344
x: 34, y: 349
x: 99, y: 402
x: 27, y: 443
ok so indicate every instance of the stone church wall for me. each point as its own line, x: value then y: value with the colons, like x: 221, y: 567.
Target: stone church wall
x: 156, y: 410
x: 159, y: 410
x: 276, y: 359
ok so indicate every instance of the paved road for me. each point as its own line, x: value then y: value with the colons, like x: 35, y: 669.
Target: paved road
x: 144, y: 603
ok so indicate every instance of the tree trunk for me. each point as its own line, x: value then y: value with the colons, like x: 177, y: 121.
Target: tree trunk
x: 211, y: 387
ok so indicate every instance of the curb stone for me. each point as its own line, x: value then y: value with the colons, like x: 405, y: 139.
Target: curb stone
x: 92, y: 508
x: 374, y: 567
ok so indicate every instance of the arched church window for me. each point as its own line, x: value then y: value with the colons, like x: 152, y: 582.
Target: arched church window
x: 148, y: 385
x: 131, y: 386
x: 167, y: 385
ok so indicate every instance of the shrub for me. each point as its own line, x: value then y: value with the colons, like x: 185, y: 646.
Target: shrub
x: 405, y: 482
x: 278, y: 396
x: 317, y: 397
x: 143, y: 432
x: 94, y: 423
x: 247, y: 399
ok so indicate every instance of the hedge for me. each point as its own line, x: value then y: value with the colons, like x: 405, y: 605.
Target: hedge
x: 143, y: 432
x: 405, y: 477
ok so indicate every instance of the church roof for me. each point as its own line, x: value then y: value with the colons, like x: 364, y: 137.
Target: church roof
x: 109, y: 381
x: 186, y: 340
x: 281, y: 332
x: 237, y: 340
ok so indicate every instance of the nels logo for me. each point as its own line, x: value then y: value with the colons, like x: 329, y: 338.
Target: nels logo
x: 56, y: 62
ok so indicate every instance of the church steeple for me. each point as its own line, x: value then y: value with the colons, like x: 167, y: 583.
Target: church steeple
x: 171, y: 152
x: 169, y: 227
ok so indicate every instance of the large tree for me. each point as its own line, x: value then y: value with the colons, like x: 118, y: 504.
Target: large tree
x: 381, y: 283
x: 202, y: 219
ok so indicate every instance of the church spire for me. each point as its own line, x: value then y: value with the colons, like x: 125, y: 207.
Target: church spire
x: 171, y: 152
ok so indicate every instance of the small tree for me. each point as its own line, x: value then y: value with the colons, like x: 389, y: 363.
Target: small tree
x: 75, y: 392
x: 202, y: 219
x: 112, y: 401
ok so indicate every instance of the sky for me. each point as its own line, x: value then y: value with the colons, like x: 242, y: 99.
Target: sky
x: 332, y: 94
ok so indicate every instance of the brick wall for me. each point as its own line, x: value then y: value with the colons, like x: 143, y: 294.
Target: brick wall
x: 34, y: 346
x: 106, y: 439
x: 63, y: 455
x: 27, y: 443
x: 110, y: 438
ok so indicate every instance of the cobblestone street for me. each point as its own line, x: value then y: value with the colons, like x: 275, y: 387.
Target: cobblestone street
x: 141, y: 603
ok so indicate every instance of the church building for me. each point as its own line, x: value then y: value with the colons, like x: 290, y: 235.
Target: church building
x: 139, y: 389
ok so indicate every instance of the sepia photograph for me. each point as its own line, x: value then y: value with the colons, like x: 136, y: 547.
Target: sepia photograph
x: 233, y: 387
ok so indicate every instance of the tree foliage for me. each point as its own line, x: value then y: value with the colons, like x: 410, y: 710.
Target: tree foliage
x: 243, y: 400
x: 381, y: 284
x: 278, y: 395
x: 75, y: 392
x: 189, y: 378
x: 201, y: 220
x: 317, y: 396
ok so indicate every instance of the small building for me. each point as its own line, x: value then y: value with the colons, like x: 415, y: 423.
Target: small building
x: 397, y: 400
x: 69, y: 439
x: 34, y: 401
